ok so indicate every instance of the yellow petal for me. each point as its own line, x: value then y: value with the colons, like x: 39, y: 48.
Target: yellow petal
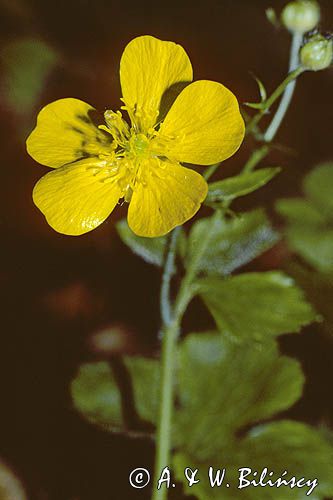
x: 206, y: 124
x: 74, y: 199
x: 148, y: 68
x: 170, y: 195
x: 66, y: 132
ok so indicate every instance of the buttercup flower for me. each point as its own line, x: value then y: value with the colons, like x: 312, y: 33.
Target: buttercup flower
x: 96, y: 164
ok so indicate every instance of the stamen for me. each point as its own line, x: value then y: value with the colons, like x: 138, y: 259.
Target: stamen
x: 118, y: 128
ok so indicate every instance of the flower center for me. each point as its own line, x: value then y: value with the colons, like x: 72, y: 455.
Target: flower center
x: 138, y: 145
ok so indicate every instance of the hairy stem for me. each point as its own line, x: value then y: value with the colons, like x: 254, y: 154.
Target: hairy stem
x: 172, y: 317
x: 170, y: 332
x: 289, y: 90
x: 286, y: 88
x: 168, y: 272
x: 163, y: 440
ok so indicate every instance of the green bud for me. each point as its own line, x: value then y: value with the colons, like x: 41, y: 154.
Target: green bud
x: 301, y: 15
x: 317, y: 53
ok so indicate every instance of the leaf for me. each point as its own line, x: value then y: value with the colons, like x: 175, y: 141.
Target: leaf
x: 238, y: 385
x: 255, y: 105
x: 318, y: 187
x: 279, y: 446
x: 97, y: 397
x: 262, y: 90
x: 26, y: 65
x: 145, y: 374
x: 300, y: 211
x: 310, y: 220
x: 319, y: 291
x: 256, y: 305
x: 314, y: 245
x: 218, y: 245
x: 149, y: 249
x: 240, y: 185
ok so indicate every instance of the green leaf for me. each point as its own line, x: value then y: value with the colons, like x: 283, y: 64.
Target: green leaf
x: 255, y: 105
x: 300, y: 211
x: 318, y: 187
x: 237, y: 386
x: 26, y: 66
x: 218, y: 245
x: 149, y: 249
x: 240, y: 185
x: 256, y: 305
x: 224, y: 388
x: 319, y: 290
x: 262, y: 89
x: 310, y: 220
x: 97, y: 397
x: 314, y: 245
x: 279, y: 446
x: 145, y: 375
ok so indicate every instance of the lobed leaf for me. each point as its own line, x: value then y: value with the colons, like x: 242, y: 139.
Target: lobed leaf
x: 239, y: 384
x: 218, y: 245
x: 318, y: 187
x: 310, y: 220
x: 96, y: 394
x: 279, y: 446
x: 256, y: 305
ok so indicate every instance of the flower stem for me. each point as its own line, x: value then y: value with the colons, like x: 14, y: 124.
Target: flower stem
x: 286, y: 88
x: 168, y: 272
x: 210, y: 171
x: 170, y: 332
x: 163, y: 440
x: 171, y: 317
x: 289, y: 90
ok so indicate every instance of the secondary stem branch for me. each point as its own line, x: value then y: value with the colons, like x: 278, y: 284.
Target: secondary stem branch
x: 288, y: 93
x: 286, y: 88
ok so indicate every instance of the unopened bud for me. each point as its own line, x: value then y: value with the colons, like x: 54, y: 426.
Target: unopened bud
x: 317, y: 53
x: 301, y: 15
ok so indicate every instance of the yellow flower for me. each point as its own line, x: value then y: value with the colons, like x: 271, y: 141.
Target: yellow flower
x: 97, y: 164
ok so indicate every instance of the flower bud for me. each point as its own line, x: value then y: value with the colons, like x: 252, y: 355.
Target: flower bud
x: 317, y: 53
x: 301, y: 15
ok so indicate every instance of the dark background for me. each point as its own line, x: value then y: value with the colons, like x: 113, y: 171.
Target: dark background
x: 57, y: 291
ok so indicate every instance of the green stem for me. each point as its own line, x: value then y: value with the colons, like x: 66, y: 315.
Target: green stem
x: 170, y: 333
x: 276, y: 94
x: 168, y: 272
x: 211, y: 171
x: 289, y: 90
x: 286, y: 88
x: 255, y: 158
x: 163, y: 439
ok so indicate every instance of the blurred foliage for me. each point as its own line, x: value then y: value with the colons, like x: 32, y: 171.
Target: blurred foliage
x: 309, y: 229
x: 309, y: 234
x: 10, y: 485
x: 26, y: 64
